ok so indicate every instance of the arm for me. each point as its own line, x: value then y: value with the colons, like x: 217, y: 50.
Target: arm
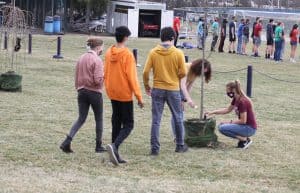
x: 146, y: 72
x: 221, y: 111
x: 186, y: 92
x: 133, y: 79
x: 181, y: 65
x: 98, y: 73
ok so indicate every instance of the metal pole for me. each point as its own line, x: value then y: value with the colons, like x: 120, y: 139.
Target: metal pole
x: 202, y: 71
x: 5, y: 40
x: 29, y: 43
x: 249, y: 81
x: 58, y: 55
x: 186, y: 59
x: 135, y: 52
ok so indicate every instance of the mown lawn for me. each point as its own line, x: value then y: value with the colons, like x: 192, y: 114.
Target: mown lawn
x: 34, y: 123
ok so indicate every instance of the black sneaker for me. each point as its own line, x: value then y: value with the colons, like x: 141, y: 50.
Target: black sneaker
x: 112, y: 156
x: 120, y: 160
x: 247, y: 143
x: 100, y: 149
x: 181, y: 148
x: 240, y: 144
x: 230, y: 52
x: 154, y: 153
x: 233, y: 52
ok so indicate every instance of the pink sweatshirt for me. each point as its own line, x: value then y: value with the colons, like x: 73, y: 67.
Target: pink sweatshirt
x: 89, y: 72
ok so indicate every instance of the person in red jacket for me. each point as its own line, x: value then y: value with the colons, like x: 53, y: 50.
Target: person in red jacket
x: 176, y: 27
x: 89, y: 85
x: 294, y: 41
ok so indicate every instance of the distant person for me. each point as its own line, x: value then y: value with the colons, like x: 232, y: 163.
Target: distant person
x: 270, y: 39
x: 215, y: 34
x: 283, y: 42
x: 176, y: 27
x: 278, y: 41
x: 240, y: 36
x: 232, y: 36
x: 246, y: 34
x: 294, y: 34
x: 121, y: 84
x: 168, y: 66
x: 245, y: 125
x: 89, y: 78
x: 200, y: 34
x: 252, y: 34
x: 194, y: 71
x: 222, y: 35
x: 257, y: 37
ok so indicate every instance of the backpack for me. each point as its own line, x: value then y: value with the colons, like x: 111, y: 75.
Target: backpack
x: 246, y: 30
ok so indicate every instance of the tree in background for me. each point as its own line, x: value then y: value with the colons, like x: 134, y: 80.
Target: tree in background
x: 89, y: 8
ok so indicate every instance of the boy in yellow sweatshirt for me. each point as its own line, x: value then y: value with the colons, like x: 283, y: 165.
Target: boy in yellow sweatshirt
x: 121, y: 83
x: 168, y: 66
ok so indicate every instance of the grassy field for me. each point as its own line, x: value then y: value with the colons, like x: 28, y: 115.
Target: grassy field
x: 34, y: 123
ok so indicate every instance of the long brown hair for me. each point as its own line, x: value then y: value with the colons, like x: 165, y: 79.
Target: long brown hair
x: 196, y: 69
x: 237, y: 86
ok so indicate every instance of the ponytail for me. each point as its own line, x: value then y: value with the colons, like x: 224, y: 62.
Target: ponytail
x: 237, y: 86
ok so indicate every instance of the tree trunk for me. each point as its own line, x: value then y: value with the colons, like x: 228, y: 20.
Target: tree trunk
x: 88, y: 12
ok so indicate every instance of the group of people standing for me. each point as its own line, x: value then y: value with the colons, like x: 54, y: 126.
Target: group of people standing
x: 172, y: 83
x: 239, y: 36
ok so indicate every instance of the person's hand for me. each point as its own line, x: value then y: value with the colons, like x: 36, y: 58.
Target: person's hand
x: 182, y: 106
x: 141, y: 104
x: 148, y: 91
x: 191, y: 104
x: 208, y: 114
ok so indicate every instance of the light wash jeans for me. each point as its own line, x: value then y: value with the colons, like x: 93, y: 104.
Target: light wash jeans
x: 233, y: 130
x: 239, y: 45
x: 173, y: 100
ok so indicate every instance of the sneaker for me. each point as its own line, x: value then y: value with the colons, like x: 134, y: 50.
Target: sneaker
x: 229, y: 52
x: 181, y: 148
x: 112, y: 156
x: 247, y: 143
x: 154, y: 153
x: 233, y: 52
x: 120, y: 160
x: 100, y: 149
x: 240, y: 144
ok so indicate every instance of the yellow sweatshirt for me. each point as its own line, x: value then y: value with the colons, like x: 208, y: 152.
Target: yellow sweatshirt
x: 168, y: 67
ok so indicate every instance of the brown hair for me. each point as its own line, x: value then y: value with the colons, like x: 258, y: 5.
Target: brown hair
x: 94, y: 42
x: 237, y: 86
x: 196, y: 69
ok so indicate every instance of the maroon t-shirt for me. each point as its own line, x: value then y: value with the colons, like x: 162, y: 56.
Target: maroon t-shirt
x: 244, y: 105
x: 257, y: 29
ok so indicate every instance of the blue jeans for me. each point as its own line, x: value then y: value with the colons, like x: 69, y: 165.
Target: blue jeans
x: 278, y: 47
x: 239, y: 45
x: 233, y: 130
x: 173, y: 100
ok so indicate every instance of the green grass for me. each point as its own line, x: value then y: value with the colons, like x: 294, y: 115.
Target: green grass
x: 34, y: 123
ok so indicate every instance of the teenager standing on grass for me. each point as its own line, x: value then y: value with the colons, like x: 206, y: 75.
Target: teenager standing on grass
x: 121, y: 84
x: 89, y: 84
x: 245, y: 126
x: 222, y: 35
x: 240, y: 36
x: 232, y: 36
x: 257, y: 37
x: 246, y: 33
x: 252, y: 34
x: 270, y: 39
x: 168, y: 67
x: 278, y: 41
x: 176, y: 27
x: 294, y: 41
x: 215, y: 32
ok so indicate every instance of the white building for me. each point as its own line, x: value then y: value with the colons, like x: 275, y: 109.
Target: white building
x: 141, y: 17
